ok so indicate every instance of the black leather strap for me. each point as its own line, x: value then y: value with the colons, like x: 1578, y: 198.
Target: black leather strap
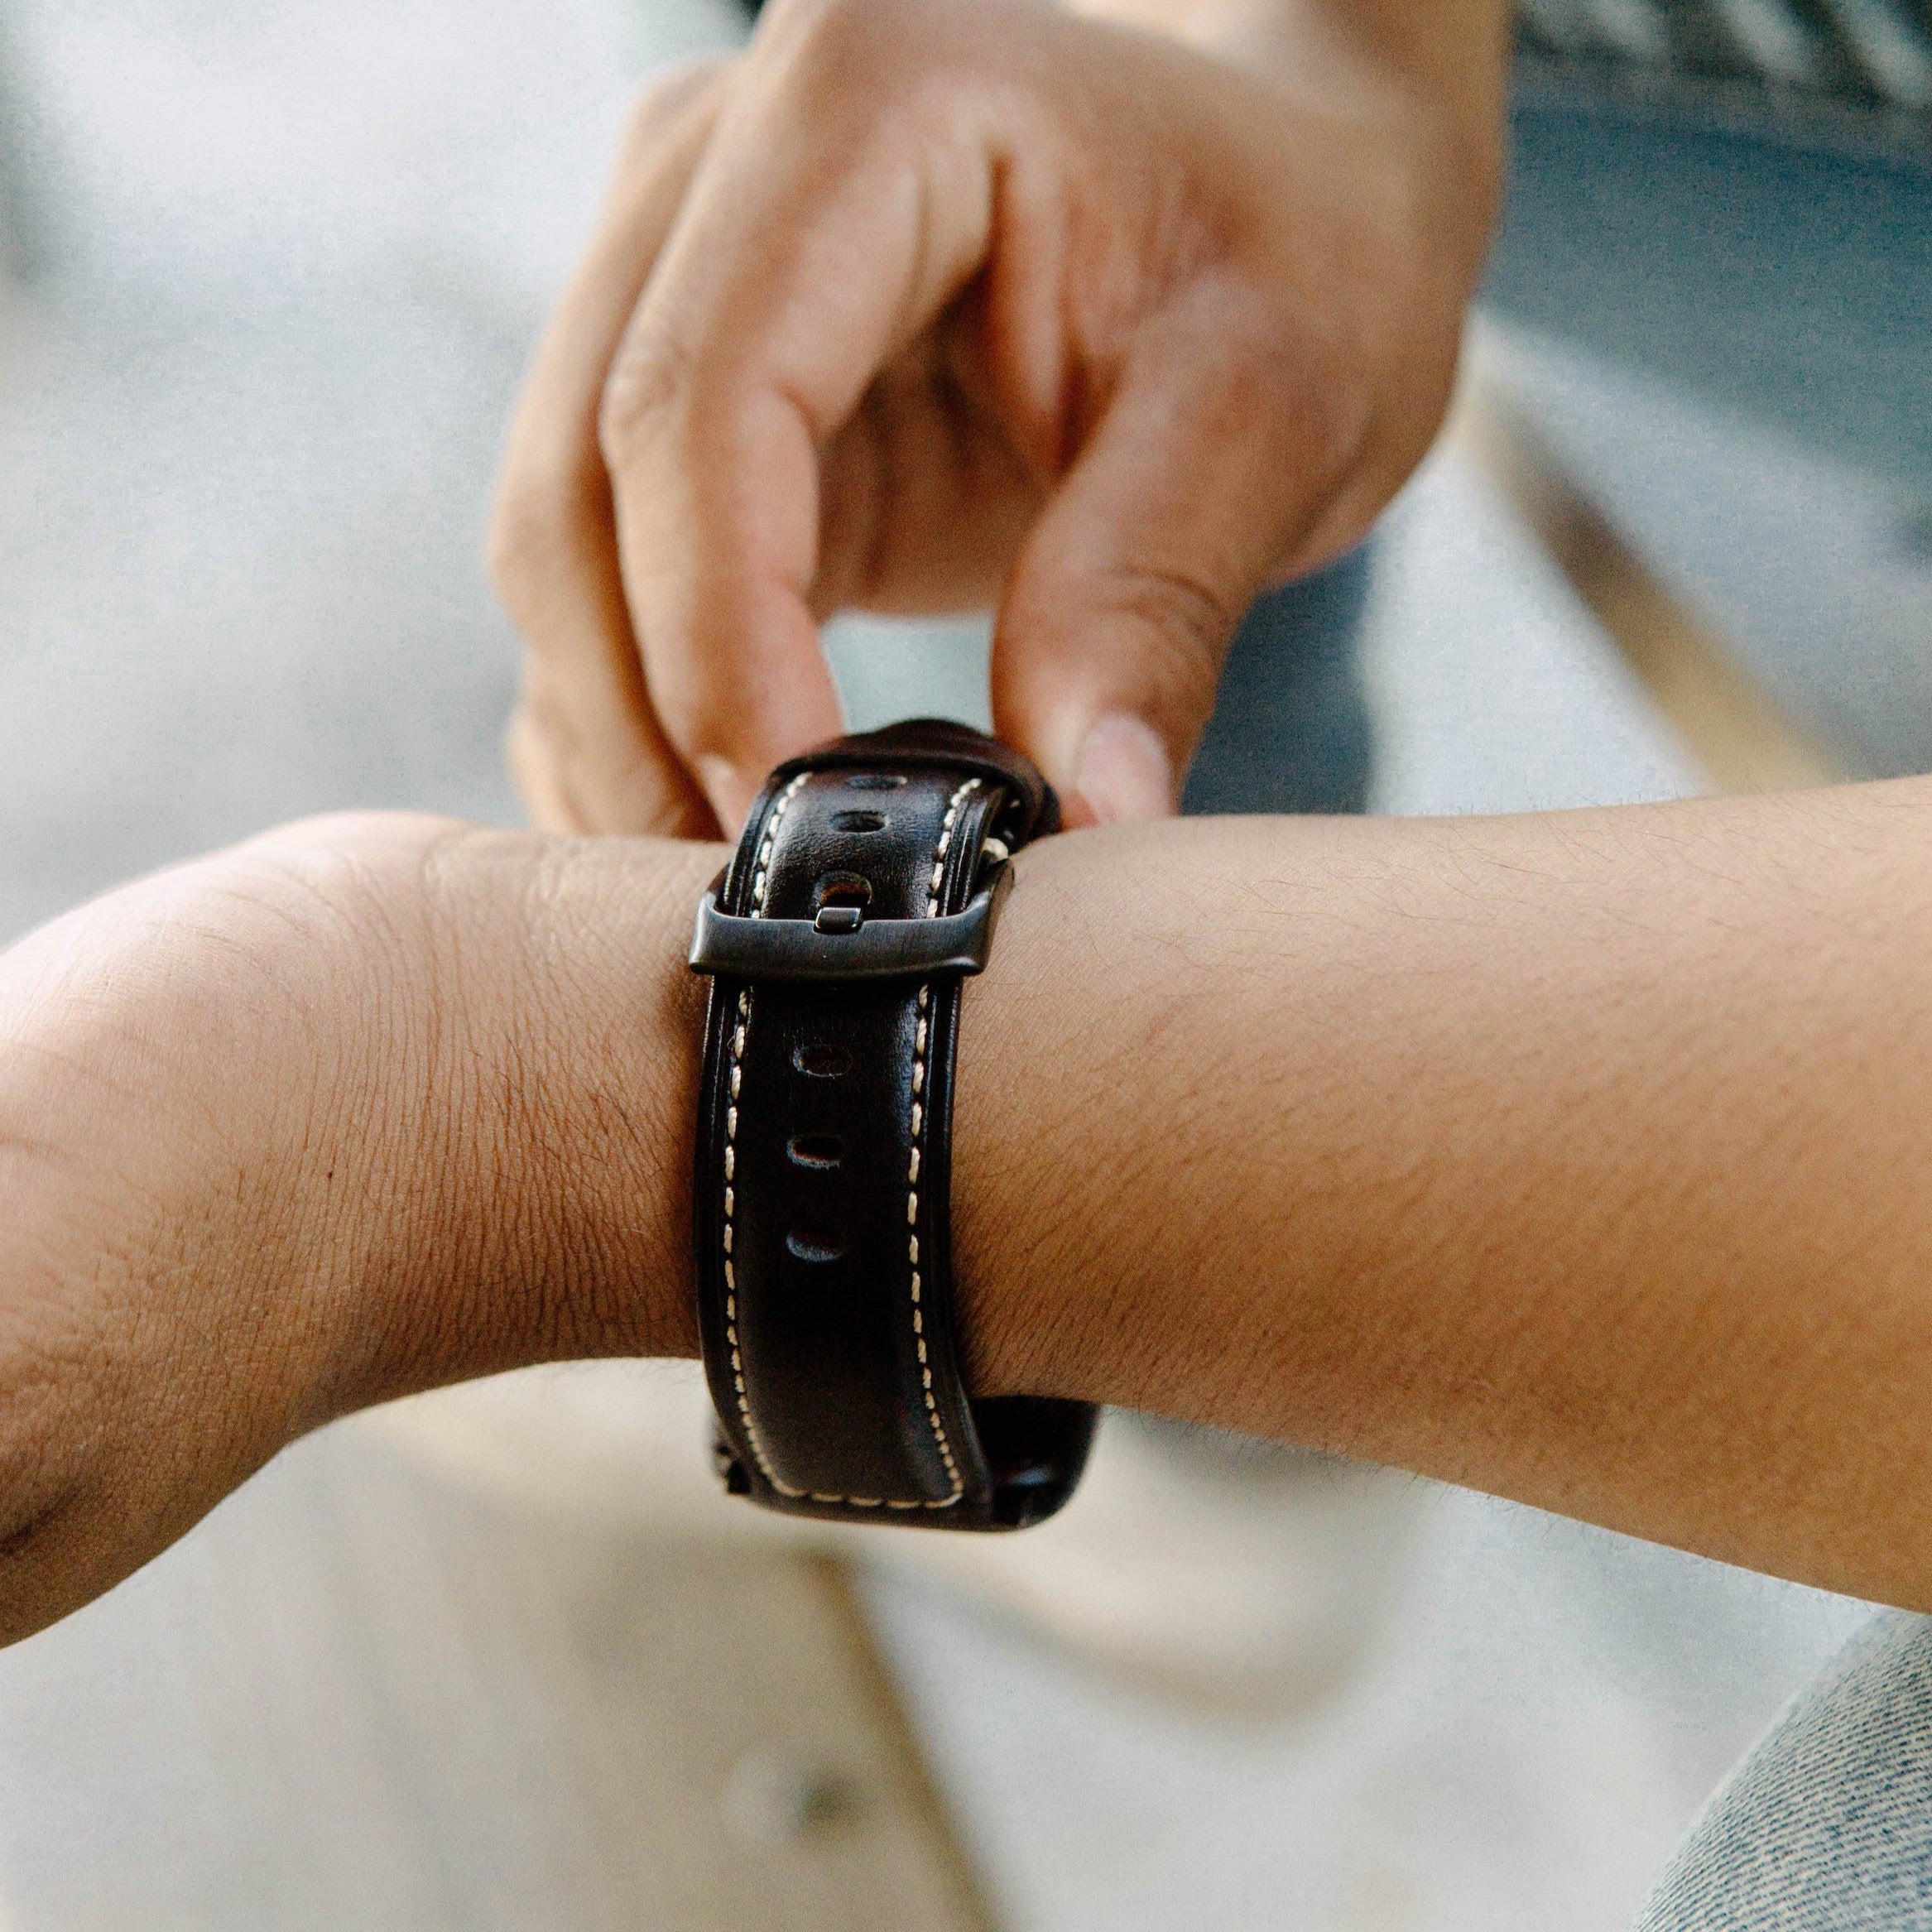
x: 824, y: 1141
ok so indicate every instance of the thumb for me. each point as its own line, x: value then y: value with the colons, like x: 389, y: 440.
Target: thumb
x: 1199, y: 480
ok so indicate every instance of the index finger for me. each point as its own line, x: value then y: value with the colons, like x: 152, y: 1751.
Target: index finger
x: 833, y: 218
x: 586, y: 749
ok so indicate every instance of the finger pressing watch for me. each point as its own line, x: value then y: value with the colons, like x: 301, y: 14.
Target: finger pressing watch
x: 865, y: 888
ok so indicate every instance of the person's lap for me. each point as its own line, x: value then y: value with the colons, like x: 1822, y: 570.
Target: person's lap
x: 1827, y: 1825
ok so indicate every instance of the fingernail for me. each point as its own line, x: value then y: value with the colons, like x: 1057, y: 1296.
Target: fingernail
x: 730, y: 793
x: 1124, y: 773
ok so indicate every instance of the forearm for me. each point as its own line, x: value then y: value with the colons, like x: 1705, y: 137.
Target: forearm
x: 1582, y: 1158
x: 361, y: 1108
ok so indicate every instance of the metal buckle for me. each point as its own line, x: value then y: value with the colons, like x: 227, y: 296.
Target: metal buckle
x: 842, y: 943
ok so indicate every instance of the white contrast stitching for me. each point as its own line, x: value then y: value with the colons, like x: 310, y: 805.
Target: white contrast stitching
x: 918, y: 1118
x: 919, y: 1050
x: 761, y: 873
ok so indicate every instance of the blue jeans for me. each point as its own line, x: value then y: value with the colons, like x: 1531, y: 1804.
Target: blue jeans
x: 1827, y: 1825
x: 1290, y: 728
x: 1788, y: 277
x: 1773, y: 273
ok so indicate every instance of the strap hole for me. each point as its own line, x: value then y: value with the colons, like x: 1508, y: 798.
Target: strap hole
x: 815, y: 1244
x: 858, y: 821
x: 816, y: 1150
x: 842, y: 889
x: 822, y: 1060
x: 875, y: 780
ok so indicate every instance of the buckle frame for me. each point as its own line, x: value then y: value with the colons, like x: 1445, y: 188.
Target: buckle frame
x: 732, y: 947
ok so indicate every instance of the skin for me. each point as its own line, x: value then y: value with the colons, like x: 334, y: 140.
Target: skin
x: 1578, y: 1157
x: 922, y: 306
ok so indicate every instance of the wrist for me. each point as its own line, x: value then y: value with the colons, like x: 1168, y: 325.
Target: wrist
x: 365, y: 1105
x: 554, y: 1165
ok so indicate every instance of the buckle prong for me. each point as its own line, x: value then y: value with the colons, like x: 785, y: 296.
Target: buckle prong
x: 841, y: 942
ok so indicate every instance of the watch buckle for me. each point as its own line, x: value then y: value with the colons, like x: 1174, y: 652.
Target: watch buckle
x: 842, y: 943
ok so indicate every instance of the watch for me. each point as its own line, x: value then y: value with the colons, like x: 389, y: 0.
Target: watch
x: 865, y: 888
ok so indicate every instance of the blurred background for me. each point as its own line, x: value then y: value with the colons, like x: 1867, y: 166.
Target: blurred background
x: 270, y: 274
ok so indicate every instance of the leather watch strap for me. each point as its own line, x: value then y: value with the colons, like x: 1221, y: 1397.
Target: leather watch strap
x: 864, y: 887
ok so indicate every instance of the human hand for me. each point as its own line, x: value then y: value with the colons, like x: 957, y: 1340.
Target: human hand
x: 368, y: 1104
x: 933, y: 304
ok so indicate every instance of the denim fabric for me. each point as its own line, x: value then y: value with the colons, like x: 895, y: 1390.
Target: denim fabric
x: 1827, y: 1825
x: 1859, y: 67
x: 1783, y: 274
x: 1290, y: 729
x: 1781, y: 268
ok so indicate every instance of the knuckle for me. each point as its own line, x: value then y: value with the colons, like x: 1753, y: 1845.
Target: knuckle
x: 664, y: 99
x: 1173, y: 627
x: 1185, y: 619
x: 648, y: 387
